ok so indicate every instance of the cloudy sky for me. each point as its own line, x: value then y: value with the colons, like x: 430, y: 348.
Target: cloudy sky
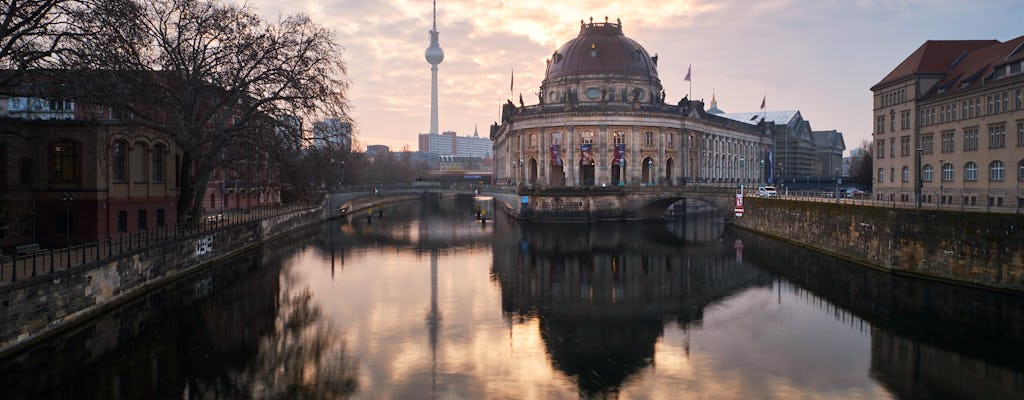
x: 816, y: 56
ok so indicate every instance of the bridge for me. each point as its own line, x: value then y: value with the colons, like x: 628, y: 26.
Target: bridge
x: 561, y: 204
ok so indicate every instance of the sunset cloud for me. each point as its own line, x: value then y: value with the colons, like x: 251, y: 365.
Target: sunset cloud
x: 819, y: 57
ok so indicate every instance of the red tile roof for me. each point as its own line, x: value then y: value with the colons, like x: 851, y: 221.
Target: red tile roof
x: 933, y: 57
x: 979, y: 64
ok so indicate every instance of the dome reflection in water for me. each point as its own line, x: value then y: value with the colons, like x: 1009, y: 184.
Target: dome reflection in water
x: 427, y: 301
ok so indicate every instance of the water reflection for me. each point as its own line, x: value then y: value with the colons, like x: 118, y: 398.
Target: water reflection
x: 423, y: 300
x: 929, y: 340
x: 603, y: 293
x: 232, y: 331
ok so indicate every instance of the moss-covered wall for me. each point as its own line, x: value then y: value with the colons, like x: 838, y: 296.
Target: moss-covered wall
x: 984, y: 249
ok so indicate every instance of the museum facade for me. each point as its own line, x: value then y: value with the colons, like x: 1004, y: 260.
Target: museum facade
x: 601, y: 120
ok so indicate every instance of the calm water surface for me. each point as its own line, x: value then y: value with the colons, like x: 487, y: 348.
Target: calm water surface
x: 427, y: 302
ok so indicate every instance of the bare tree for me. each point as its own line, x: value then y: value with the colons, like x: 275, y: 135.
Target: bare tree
x: 30, y: 32
x: 862, y: 166
x: 221, y: 81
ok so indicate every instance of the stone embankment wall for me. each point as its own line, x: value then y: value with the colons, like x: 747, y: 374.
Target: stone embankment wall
x: 983, y: 249
x: 36, y: 308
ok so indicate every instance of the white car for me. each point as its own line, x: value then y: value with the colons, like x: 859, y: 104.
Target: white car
x: 767, y: 191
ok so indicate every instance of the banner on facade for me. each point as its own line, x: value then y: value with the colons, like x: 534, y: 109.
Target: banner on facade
x: 620, y: 155
x: 585, y: 157
x: 556, y: 155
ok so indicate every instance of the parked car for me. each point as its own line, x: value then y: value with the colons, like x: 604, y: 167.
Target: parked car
x: 767, y: 191
x: 854, y: 192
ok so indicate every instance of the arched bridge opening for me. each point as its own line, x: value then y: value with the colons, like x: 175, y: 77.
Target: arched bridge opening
x: 674, y: 206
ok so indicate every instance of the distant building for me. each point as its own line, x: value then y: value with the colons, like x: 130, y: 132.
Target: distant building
x: 450, y: 144
x: 954, y: 103
x: 374, y: 150
x: 714, y: 107
x: 334, y: 133
x: 800, y: 151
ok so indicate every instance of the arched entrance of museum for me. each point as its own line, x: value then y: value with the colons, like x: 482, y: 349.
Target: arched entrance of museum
x: 647, y: 174
x: 668, y: 171
x: 533, y: 171
x: 586, y: 171
x: 619, y: 174
x: 557, y: 175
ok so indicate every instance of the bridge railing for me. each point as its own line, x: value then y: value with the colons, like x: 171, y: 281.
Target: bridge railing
x: 47, y: 260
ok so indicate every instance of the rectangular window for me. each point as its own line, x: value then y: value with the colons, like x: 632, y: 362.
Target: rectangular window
x: 892, y: 123
x: 881, y: 149
x: 157, y: 159
x: 970, y: 139
x: 1020, y: 133
x: 991, y: 105
x: 556, y: 138
x: 122, y: 221
x: 587, y: 137
x: 963, y: 110
x: 927, y: 143
x: 119, y: 161
x: 649, y: 139
x: 1019, y: 99
x: 892, y: 147
x: 668, y: 140
x: 905, y: 146
x: 618, y: 137
x: 142, y: 220
x: 161, y: 220
x: 533, y: 140
x: 997, y: 137
x: 64, y: 156
x: 1006, y: 101
x: 948, y: 142
x: 880, y: 125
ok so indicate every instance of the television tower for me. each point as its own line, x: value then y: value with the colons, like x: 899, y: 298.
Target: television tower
x: 434, y: 56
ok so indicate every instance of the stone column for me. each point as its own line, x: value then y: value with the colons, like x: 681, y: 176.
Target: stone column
x: 600, y: 149
x: 571, y: 163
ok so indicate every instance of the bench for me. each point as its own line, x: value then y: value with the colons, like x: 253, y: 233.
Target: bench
x: 27, y: 249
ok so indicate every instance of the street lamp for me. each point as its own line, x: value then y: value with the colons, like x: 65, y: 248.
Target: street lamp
x: 650, y: 172
x: 761, y: 161
x: 838, y: 179
x: 66, y: 197
x: 942, y: 179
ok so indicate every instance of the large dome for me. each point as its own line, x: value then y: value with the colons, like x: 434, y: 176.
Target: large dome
x: 601, y: 49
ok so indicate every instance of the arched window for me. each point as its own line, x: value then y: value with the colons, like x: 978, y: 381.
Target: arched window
x: 971, y: 171
x: 996, y: 170
x: 65, y: 159
x: 138, y: 167
x: 119, y: 161
x: 157, y: 160
x: 927, y: 172
x: 947, y: 172
x: 906, y: 174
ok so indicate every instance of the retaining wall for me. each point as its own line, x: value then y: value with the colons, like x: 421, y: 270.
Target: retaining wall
x: 983, y: 249
x: 36, y: 308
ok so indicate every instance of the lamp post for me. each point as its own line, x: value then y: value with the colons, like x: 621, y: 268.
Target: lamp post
x: 942, y: 179
x: 650, y: 172
x: 66, y: 197
x: 838, y: 179
x: 761, y: 178
x: 920, y: 180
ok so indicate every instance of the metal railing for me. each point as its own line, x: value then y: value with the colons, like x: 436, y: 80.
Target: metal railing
x: 27, y: 266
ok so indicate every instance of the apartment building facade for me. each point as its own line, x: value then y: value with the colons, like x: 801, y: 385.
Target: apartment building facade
x: 948, y: 126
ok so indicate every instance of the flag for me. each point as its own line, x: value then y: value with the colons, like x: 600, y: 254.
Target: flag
x: 688, y: 70
x: 512, y: 82
x: 762, y: 101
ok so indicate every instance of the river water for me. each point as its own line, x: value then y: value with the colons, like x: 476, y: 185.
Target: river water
x: 425, y: 301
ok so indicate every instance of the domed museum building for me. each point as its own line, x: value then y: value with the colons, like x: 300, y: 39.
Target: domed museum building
x: 601, y: 120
